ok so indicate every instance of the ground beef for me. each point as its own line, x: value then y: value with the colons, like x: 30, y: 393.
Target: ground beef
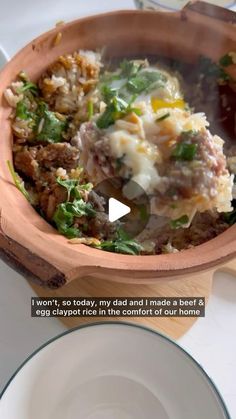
x: 97, y: 201
x: 26, y: 163
x: 50, y: 197
x: 58, y: 155
x: 205, y: 226
x: 101, y: 228
x: 183, y: 179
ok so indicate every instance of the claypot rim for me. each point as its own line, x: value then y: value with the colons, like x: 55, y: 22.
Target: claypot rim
x: 212, y: 253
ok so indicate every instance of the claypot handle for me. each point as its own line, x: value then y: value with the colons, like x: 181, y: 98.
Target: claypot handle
x: 230, y: 267
x: 210, y: 10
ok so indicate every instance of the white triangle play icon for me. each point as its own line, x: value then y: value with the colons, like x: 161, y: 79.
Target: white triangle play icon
x: 117, y: 210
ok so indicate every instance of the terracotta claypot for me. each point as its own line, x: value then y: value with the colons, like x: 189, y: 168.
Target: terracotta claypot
x: 26, y: 239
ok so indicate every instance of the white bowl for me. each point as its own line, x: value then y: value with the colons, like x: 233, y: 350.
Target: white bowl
x: 173, y: 5
x: 111, y: 371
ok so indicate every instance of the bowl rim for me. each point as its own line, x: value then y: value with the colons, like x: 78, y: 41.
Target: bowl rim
x: 214, y: 252
x: 133, y: 325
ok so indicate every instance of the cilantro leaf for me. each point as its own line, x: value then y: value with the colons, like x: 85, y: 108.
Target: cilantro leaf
x: 116, y: 109
x: 122, y: 244
x: 129, y: 69
x: 22, y: 111
x: 108, y: 92
x: 145, y: 81
x: 226, y: 60
x: 69, y: 184
x: 32, y: 87
x: 52, y: 127
x: 130, y: 247
x: 67, y: 212
x: 64, y: 222
x: 80, y: 208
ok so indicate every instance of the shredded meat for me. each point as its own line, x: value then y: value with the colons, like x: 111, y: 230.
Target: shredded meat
x: 58, y: 155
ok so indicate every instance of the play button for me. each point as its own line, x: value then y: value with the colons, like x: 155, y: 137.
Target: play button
x: 130, y: 211
x: 117, y: 210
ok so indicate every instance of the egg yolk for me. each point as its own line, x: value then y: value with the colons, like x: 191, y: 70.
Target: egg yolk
x: 161, y: 104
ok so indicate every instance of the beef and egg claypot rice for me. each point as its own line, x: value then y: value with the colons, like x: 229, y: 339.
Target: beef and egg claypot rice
x: 143, y: 119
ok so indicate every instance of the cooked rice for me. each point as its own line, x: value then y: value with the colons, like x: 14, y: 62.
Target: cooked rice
x: 143, y: 142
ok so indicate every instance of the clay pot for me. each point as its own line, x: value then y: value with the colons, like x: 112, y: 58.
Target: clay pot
x: 26, y: 240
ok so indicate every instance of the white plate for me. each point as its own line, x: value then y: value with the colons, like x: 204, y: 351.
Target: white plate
x: 111, y: 371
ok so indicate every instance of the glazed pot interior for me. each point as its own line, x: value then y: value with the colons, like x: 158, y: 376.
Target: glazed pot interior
x: 125, y: 33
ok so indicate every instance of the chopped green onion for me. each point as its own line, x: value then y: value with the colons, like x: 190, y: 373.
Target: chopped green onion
x: 163, y: 117
x: 184, y: 151
x: 90, y: 110
x: 18, y: 183
x: 230, y: 217
x: 108, y: 92
x: 180, y: 222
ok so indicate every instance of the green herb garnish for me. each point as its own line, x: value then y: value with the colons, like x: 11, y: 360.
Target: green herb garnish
x: 185, y: 150
x: 80, y: 208
x: 230, y: 217
x: 64, y: 220
x: 22, y: 111
x: 17, y: 181
x: 51, y: 127
x: 180, y: 222
x: 74, y: 188
x: 67, y: 212
x: 145, y: 81
x: 90, y: 110
x: 129, y: 69
x: 109, y: 115
x: 210, y: 69
x: 121, y: 244
x: 226, y: 60
x: 163, y: 117
x: 108, y: 92
x: 119, y: 162
x: 32, y: 87
x: 69, y: 184
x: 116, y: 109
